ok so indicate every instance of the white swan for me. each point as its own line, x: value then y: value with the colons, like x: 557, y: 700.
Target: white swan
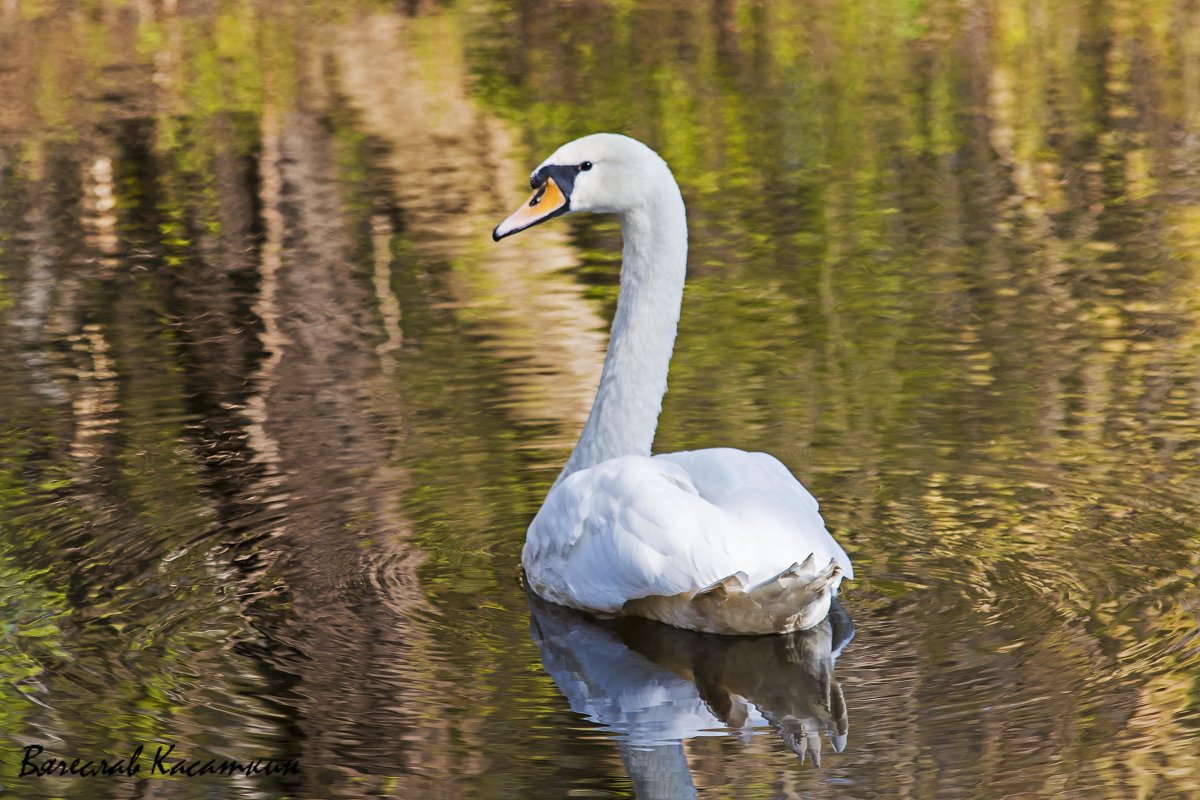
x: 718, y: 540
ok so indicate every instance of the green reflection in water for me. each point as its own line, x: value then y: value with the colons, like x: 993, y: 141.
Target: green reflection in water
x: 943, y: 264
x: 950, y: 282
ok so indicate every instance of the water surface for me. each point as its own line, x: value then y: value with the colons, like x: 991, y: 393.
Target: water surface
x: 277, y: 412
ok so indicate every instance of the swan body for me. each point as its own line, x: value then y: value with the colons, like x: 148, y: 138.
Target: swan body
x: 716, y: 540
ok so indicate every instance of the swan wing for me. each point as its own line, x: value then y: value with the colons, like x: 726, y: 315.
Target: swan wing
x: 636, y: 527
x: 772, y: 509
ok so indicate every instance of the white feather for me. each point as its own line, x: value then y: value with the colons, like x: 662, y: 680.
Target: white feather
x: 636, y: 526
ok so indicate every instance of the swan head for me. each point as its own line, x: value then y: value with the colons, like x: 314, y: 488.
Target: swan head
x: 602, y: 172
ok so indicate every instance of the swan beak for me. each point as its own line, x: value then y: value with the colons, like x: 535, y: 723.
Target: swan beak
x: 546, y: 202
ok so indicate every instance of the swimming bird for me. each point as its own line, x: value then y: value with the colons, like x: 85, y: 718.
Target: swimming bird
x: 717, y: 540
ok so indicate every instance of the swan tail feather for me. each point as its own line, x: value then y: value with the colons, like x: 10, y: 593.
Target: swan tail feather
x: 827, y: 577
x: 721, y: 589
x: 795, y: 599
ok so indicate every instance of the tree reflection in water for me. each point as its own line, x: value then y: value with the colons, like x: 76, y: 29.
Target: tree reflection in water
x: 276, y: 412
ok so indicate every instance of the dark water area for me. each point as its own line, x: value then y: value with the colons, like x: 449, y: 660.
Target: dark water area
x: 275, y: 412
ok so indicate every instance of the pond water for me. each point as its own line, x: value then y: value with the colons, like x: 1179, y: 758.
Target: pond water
x: 276, y: 411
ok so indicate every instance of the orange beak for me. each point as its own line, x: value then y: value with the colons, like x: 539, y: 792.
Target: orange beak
x: 546, y: 202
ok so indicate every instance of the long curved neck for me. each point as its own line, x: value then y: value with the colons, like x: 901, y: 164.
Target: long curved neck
x: 654, y: 264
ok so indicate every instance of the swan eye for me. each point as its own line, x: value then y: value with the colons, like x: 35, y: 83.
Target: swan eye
x: 585, y: 166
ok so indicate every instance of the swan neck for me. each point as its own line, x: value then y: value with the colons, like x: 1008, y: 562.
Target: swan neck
x: 628, y: 401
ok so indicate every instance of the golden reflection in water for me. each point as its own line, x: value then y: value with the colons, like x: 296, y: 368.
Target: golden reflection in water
x: 271, y: 338
x: 1005, y: 348
x: 324, y: 428
x: 385, y: 298
x: 459, y: 174
x: 286, y: 409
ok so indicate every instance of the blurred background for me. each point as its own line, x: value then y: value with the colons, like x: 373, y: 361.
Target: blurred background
x: 275, y: 411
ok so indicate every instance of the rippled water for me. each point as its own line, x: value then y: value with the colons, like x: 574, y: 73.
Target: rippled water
x: 276, y: 412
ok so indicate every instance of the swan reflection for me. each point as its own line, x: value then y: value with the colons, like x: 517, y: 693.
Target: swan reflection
x: 655, y: 686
